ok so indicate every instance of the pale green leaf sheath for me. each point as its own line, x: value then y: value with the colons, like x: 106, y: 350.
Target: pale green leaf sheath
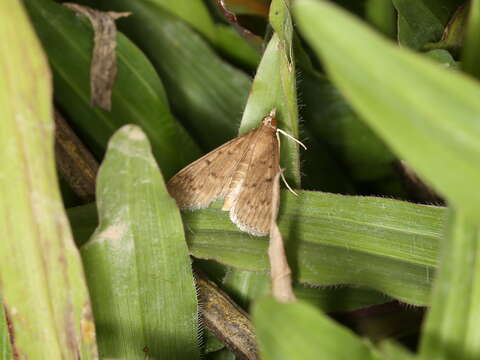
x: 137, y: 262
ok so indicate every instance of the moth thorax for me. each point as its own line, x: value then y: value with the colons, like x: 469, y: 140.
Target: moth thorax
x: 270, y: 120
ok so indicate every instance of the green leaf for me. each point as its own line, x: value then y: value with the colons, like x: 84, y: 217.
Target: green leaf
x: 194, y: 76
x: 299, y: 331
x: 221, y: 355
x: 137, y: 264
x: 332, y: 120
x: 422, y: 21
x: 443, y: 57
x: 247, y: 286
x: 194, y: 13
x: 384, y: 244
x: 393, y: 351
x: 451, y: 329
x: 320, y: 171
x: 274, y: 86
x: 388, y: 245
x: 42, y: 283
x: 382, y: 15
x: 471, y: 50
x: 427, y: 114
x: 223, y: 37
x: 230, y: 42
x: 138, y: 95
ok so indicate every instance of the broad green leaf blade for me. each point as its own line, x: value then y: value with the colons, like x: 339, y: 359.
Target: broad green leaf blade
x: 138, y: 95
x: 43, y: 286
x: 137, y: 264
x: 225, y: 38
x: 427, y: 114
x: 247, y: 286
x: 5, y: 348
x: 388, y: 245
x: 423, y: 21
x: 299, y: 331
x: 471, y: 50
x: 236, y: 47
x: 205, y: 91
x: 274, y: 87
x: 451, y: 330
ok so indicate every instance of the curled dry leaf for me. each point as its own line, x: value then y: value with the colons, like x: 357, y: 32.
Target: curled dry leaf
x: 103, y: 68
x: 280, y: 272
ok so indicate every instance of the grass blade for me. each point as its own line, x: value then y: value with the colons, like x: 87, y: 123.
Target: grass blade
x: 137, y: 264
x: 299, y: 331
x: 388, y: 245
x: 471, y: 49
x: 194, y: 13
x: 247, y: 286
x: 451, y: 329
x: 274, y: 86
x: 43, y: 287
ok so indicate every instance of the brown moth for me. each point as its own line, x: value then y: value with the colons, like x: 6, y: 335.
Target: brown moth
x: 241, y: 171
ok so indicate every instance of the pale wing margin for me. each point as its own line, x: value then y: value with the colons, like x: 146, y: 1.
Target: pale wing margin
x: 204, y: 180
x: 252, y: 209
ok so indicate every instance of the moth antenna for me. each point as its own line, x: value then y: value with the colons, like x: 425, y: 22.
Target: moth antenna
x: 281, y: 170
x: 286, y: 183
x: 292, y: 138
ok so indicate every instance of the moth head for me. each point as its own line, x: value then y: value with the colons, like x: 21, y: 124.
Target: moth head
x: 270, y: 119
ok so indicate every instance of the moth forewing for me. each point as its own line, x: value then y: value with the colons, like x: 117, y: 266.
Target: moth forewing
x: 251, y: 211
x: 203, y: 181
x: 241, y: 171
